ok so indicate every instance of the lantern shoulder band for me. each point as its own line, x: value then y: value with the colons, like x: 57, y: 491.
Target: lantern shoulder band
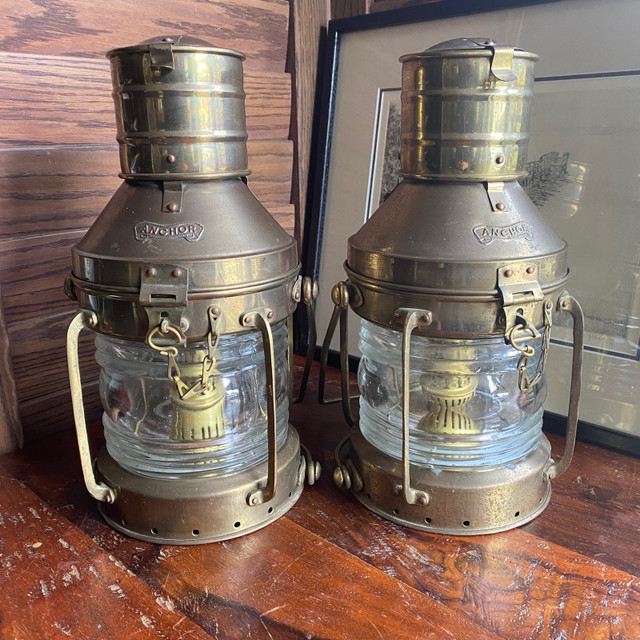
x: 456, y: 279
x: 190, y: 286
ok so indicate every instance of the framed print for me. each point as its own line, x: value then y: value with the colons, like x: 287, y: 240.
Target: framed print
x: 584, y: 169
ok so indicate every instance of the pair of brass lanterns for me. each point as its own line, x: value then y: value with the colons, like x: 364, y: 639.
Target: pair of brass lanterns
x: 190, y: 286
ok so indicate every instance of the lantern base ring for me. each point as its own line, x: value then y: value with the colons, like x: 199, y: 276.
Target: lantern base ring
x: 199, y: 509
x: 462, y: 501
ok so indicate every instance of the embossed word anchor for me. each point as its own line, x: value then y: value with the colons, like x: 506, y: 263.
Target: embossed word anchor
x: 487, y: 234
x: 190, y: 231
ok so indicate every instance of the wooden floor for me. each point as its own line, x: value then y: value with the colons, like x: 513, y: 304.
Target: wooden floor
x: 329, y: 569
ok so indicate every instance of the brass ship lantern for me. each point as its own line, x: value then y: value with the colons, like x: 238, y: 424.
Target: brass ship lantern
x: 456, y: 279
x: 189, y: 285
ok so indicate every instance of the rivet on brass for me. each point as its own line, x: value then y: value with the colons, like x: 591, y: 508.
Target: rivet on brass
x: 270, y: 315
x: 531, y: 270
x: 500, y: 206
x: 151, y: 272
x: 171, y: 159
x: 172, y: 206
x: 508, y: 273
x: 176, y: 273
x: 500, y: 160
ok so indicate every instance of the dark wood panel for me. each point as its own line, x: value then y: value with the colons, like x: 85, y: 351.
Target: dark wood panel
x: 50, y: 414
x: 309, y: 19
x: 47, y: 100
x: 256, y: 27
x: 285, y: 216
x: 10, y: 427
x: 38, y: 353
x: 63, y: 188
x: 271, y: 164
x: 32, y: 273
x: 66, y: 585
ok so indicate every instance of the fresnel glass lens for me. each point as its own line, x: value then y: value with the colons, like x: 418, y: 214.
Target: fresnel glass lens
x: 456, y: 278
x: 189, y: 285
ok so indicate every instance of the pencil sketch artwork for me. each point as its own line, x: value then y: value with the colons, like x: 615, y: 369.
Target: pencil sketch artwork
x: 391, y: 159
x: 546, y: 176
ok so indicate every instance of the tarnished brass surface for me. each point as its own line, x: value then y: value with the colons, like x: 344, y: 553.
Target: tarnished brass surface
x: 241, y: 259
x: 459, y: 244
x: 460, y: 502
x: 179, y: 109
x: 466, y: 111
x: 441, y: 246
x: 200, y: 509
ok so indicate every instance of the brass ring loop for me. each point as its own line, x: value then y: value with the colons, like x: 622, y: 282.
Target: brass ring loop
x: 526, y: 349
x: 170, y: 329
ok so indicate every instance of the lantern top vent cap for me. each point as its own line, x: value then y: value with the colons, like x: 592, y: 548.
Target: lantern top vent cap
x: 483, y: 46
x: 178, y: 43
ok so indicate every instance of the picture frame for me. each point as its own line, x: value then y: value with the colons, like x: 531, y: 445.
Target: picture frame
x: 584, y: 111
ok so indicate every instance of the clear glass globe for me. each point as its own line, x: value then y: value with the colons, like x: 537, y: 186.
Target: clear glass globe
x: 151, y: 430
x: 466, y: 407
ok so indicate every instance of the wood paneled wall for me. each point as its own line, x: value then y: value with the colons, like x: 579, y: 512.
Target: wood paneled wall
x: 59, y: 166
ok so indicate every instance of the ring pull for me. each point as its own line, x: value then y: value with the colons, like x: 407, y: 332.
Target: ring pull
x: 521, y: 344
x: 98, y: 490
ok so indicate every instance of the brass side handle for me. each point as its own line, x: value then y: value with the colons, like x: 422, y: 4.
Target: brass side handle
x: 568, y: 303
x: 413, y: 318
x: 341, y: 299
x: 98, y: 490
x: 260, y: 320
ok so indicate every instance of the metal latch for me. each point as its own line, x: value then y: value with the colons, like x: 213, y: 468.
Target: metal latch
x: 164, y: 293
x: 161, y: 55
x: 521, y: 292
x: 502, y: 60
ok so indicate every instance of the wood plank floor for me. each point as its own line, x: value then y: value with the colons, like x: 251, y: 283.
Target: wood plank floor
x: 329, y: 569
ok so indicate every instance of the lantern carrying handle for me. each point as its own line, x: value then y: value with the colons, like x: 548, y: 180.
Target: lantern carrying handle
x: 259, y: 319
x: 98, y: 490
x: 340, y: 297
x: 413, y: 318
x: 309, y: 296
x: 568, y: 303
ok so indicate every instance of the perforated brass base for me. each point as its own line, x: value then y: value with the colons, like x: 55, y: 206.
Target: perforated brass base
x: 464, y: 502
x: 201, y: 509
